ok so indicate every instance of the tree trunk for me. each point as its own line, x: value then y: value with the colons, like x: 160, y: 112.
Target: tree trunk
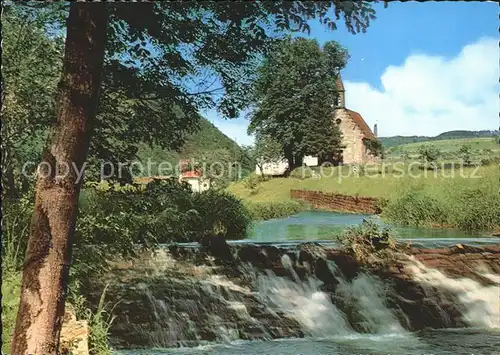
x: 46, y: 266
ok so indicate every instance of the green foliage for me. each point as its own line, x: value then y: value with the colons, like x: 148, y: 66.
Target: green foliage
x: 429, y: 154
x: 219, y: 213
x: 270, y: 210
x: 266, y: 149
x: 207, y: 144
x: 465, y: 152
x: 301, y: 173
x: 375, y: 146
x: 30, y: 71
x: 99, y: 322
x: 294, y: 94
x: 476, y: 209
x: 468, y: 204
x: 368, y: 242
x: 252, y: 182
x: 11, y: 288
x: 402, y: 140
x: 416, y: 208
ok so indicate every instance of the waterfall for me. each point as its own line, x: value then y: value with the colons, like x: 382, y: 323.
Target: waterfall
x: 366, y: 293
x: 184, y: 303
x: 315, y: 311
x: 481, y: 304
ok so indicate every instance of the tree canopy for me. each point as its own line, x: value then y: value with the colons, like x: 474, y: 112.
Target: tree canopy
x: 164, y: 62
x: 129, y: 74
x: 294, y: 96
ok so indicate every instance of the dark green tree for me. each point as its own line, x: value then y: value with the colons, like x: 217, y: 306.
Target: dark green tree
x: 465, y: 152
x: 429, y: 154
x: 157, y: 48
x: 294, y: 95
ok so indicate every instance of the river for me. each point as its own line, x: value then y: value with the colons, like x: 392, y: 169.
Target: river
x: 323, y: 322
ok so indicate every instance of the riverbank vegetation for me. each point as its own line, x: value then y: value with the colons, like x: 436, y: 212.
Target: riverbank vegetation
x: 116, y: 221
x: 468, y: 200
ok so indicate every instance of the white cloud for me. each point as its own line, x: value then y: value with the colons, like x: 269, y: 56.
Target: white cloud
x: 428, y: 95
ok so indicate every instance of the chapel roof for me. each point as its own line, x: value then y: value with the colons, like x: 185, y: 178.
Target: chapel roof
x: 360, y: 122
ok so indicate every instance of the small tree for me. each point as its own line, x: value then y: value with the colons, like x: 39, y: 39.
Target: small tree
x: 465, y: 152
x: 266, y: 150
x: 429, y: 154
x: 375, y: 147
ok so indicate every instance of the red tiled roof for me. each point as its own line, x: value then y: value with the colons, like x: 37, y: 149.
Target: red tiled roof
x: 356, y: 117
x: 190, y: 174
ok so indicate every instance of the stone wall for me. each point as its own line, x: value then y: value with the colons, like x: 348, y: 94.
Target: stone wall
x: 337, y: 202
x: 355, y: 151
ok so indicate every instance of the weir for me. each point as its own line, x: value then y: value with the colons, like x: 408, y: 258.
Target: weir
x: 184, y: 296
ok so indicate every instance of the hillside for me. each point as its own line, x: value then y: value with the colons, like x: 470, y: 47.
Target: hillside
x: 207, y: 142
x: 389, y: 142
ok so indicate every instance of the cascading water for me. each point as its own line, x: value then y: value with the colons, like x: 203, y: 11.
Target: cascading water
x: 315, y: 311
x: 187, y: 303
x: 481, y: 304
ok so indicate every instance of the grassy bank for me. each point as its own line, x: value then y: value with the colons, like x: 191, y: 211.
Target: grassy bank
x: 468, y: 204
x: 469, y: 199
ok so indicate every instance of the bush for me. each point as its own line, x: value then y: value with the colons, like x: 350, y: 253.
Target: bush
x: 270, y: 210
x: 476, y: 209
x: 468, y: 204
x: 368, y: 242
x: 252, y: 182
x: 416, y: 208
x: 99, y: 322
x: 220, y: 213
x: 303, y: 172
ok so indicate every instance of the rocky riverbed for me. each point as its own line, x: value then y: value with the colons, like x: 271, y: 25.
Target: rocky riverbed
x: 183, y: 296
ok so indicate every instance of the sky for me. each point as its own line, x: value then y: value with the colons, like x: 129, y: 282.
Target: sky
x: 422, y: 68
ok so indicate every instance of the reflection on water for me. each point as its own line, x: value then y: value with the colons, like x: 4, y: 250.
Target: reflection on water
x: 314, y: 225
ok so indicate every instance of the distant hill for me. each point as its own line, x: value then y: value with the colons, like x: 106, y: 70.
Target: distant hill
x: 206, y: 141
x: 389, y: 142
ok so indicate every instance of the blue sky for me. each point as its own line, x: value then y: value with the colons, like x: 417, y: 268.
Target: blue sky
x: 421, y: 69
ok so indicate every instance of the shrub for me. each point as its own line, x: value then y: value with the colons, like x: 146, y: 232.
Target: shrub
x: 368, y: 242
x: 429, y: 154
x: 416, y: 208
x: 476, y: 209
x: 99, y: 322
x: 465, y: 152
x: 302, y: 172
x: 252, y: 182
x: 220, y: 213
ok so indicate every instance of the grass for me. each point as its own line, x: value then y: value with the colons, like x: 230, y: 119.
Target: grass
x: 453, y: 145
x: 469, y: 200
x: 99, y: 323
x: 11, y: 288
x: 370, y: 185
x: 482, y: 148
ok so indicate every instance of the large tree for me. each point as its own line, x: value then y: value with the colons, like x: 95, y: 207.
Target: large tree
x: 294, y: 95
x: 162, y: 44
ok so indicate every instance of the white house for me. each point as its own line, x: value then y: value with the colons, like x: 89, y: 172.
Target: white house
x: 279, y: 167
x: 196, y: 180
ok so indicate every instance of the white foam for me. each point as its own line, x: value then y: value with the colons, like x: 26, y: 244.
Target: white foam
x: 481, y: 303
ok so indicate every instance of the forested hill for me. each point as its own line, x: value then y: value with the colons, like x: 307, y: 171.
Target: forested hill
x: 207, y: 143
x: 400, y: 140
